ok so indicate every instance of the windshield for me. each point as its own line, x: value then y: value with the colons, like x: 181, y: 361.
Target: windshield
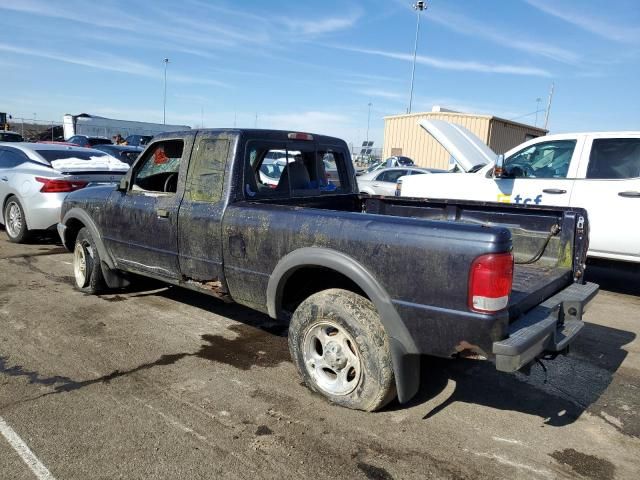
x: 373, y: 167
x: 52, y: 155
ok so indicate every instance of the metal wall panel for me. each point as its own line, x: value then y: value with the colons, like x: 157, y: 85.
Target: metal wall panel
x: 403, y: 134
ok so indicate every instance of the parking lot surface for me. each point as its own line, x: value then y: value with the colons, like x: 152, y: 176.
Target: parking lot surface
x: 157, y: 382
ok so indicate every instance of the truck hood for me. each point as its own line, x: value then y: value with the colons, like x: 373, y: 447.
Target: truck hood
x: 467, y: 150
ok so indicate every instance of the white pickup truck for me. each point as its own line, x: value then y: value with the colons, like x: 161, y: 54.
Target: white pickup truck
x: 596, y: 171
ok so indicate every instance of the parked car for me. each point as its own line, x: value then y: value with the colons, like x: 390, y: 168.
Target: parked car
x: 396, y: 161
x: 7, y: 136
x: 383, y: 182
x: 125, y: 153
x: 138, y: 140
x: 366, y: 284
x: 35, y: 178
x: 598, y: 171
x: 88, y: 142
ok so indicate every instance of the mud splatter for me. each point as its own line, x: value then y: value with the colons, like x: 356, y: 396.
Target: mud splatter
x: 263, y: 430
x: 589, y: 466
x: 374, y: 473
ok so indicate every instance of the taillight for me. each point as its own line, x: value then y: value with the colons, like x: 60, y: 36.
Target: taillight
x: 59, y: 186
x: 399, y: 187
x: 490, y: 282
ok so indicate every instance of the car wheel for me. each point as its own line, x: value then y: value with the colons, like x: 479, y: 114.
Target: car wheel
x: 86, y: 264
x: 341, y: 350
x: 15, y: 222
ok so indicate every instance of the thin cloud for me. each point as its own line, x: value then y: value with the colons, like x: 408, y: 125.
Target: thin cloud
x: 320, y: 26
x: 593, y: 24
x: 386, y: 94
x: 455, y: 65
x: 110, y: 63
x: 466, y: 26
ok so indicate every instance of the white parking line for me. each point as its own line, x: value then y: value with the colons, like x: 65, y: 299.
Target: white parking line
x: 25, y: 452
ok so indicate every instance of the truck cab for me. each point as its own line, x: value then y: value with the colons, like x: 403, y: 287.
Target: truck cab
x: 598, y: 171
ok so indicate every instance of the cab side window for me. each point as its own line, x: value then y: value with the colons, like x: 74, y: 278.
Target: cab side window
x: 206, y: 170
x: 542, y: 160
x: 391, y: 175
x: 158, y: 171
x: 614, y: 158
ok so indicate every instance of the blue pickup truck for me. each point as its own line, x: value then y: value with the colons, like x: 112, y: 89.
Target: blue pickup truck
x: 366, y: 284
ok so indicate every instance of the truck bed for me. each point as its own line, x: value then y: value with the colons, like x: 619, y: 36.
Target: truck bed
x: 544, y: 264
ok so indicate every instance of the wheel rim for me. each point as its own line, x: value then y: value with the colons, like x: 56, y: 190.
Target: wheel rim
x: 80, y: 253
x: 332, y: 358
x: 14, y: 219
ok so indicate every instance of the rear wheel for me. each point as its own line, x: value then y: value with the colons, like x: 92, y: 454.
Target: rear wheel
x: 342, y: 351
x: 15, y: 222
x: 86, y: 264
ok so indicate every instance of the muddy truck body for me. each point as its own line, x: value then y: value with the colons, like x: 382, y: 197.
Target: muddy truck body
x: 367, y: 284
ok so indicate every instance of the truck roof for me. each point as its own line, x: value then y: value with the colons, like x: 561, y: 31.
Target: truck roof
x: 255, y: 132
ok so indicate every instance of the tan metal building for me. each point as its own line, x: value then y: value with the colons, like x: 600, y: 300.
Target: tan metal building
x: 403, y: 135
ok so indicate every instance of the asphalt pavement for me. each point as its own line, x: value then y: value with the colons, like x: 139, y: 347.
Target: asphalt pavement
x: 157, y: 382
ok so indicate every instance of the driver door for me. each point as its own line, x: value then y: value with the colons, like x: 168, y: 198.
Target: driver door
x: 541, y: 174
x: 143, y: 221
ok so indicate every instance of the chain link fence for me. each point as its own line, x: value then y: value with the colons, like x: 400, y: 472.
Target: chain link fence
x: 33, y: 130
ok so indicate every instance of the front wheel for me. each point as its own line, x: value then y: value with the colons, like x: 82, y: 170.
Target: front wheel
x: 342, y: 351
x: 86, y: 264
x: 15, y: 222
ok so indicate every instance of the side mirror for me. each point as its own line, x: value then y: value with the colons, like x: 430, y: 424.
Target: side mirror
x: 498, y: 169
x: 124, y: 184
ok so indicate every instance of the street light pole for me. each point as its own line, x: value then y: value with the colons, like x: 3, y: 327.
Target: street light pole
x: 368, y: 121
x: 419, y: 7
x: 164, y: 103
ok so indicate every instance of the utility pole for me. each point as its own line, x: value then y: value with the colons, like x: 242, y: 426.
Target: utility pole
x: 538, y: 100
x: 164, y: 103
x: 256, y: 124
x: 419, y: 7
x: 368, y: 120
x: 546, y: 115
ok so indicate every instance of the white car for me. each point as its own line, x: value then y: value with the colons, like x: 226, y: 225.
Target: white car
x: 598, y: 171
x: 383, y: 182
x: 35, y: 178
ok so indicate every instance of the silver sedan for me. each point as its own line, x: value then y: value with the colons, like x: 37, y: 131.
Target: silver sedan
x: 383, y: 182
x: 35, y: 178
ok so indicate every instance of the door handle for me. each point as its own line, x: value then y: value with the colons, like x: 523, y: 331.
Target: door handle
x: 162, y: 213
x: 629, y: 194
x: 555, y: 191
x: 5, y: 179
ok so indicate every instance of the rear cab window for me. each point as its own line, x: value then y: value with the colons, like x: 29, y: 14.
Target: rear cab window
x: 294, y: 169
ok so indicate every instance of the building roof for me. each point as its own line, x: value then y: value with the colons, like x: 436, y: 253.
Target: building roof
x: 441, y: 114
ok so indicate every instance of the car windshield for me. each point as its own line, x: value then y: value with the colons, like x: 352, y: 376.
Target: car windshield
x: 373, y: 167
x: 52, y: 155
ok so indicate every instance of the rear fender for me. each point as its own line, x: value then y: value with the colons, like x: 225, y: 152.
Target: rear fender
x: 406, y: 363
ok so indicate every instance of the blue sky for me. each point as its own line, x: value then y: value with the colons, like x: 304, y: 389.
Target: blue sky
x: 315, y: 66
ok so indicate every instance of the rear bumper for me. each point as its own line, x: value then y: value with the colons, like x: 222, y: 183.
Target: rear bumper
x: 549, y: 327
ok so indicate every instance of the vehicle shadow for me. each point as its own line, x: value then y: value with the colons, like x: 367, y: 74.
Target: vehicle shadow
x: 618, y: 277
x: 558, y: 393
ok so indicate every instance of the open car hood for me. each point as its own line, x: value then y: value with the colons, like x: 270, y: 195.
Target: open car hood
x: 467, y: 150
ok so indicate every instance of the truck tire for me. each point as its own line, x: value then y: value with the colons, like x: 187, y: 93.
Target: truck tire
x: 86, y: 264
x: 341, y: 350
x: 15, y: 223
